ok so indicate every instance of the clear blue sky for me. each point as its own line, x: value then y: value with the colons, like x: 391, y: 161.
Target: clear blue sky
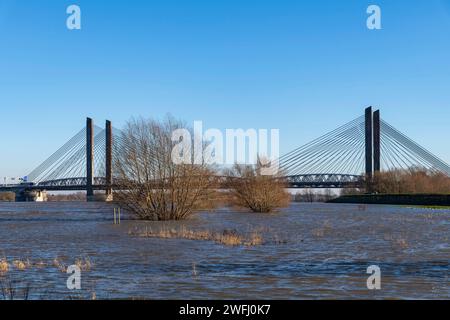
x: 304, y: 67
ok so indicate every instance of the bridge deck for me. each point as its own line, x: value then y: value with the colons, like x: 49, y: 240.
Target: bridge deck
x: 297, y: 181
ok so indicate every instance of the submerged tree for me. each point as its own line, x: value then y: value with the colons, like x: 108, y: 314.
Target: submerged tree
x: 149, y: 183
x: 251, y: 189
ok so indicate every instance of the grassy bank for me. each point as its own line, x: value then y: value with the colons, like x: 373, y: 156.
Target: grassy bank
x: 431, y: 207
x: 428, y: 200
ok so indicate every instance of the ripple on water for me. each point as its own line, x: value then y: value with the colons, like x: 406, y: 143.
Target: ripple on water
x: 311, y: 251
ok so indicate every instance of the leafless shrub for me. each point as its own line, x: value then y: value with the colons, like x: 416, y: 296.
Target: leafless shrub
x: 148, y: 183
x: 259, y: 193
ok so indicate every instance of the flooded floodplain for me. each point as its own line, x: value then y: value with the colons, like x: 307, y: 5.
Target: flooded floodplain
x: 308, y: 251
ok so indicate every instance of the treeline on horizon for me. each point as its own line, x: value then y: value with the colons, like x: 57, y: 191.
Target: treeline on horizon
x: 398, y: 181
x: 79, y: 196
x: 405, y: 181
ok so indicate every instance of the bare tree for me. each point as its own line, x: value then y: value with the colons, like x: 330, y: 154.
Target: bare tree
x: 259, y: 193
x: 147, y: 181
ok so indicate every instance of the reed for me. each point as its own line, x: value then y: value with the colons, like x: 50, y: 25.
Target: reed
x: 84, y: 264
x: 4, y: 266
x: 21, y: 265
x: 227, y: 237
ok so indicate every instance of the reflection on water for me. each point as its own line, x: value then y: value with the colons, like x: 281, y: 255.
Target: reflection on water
x: 321, y: 251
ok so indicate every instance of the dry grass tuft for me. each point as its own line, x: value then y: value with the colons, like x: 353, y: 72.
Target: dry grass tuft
x: 59, y: 265
x: 362, y: 207
x: 227, y: 237
x: 84, y: 264
x: 324, y: 229
x: 4, y: 266
x: 401, y: 243
x: 21, y: 265
x: 318, y: 232
x: 230, y: 239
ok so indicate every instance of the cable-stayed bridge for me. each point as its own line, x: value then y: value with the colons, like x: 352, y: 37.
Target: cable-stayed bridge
x: 346, y: 156
x: 342, y: 158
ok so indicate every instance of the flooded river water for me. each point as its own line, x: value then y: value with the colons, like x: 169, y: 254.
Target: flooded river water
x: 310, y: 251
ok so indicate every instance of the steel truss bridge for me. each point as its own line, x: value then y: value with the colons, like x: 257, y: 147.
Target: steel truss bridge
x: 298, y: 181
x: 342, y: 158
x: 326, y: 181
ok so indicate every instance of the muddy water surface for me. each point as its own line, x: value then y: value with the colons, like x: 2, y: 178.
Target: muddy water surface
x: 310, y: 251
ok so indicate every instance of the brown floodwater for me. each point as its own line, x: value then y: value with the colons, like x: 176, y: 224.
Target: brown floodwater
x: 310, y: 251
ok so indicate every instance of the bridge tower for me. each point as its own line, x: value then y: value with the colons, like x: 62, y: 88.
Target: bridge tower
x: 89, y: 159
x: 376, y: 142
x: 373, y: 142
x: 90, y: 195
x: 108, y: 166
x: 369, y: 143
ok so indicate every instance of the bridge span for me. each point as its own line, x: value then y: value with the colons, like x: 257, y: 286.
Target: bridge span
x: 342, y: 158
x: 298, y: 181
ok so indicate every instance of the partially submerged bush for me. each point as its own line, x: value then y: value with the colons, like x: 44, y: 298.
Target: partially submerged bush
x: 148, y: 182
x: 227, y: 237
x: 251, y: 189
x: 4, y: 266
